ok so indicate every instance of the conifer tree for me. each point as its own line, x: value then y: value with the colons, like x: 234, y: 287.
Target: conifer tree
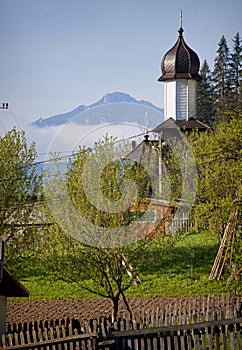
x: 221, y: 77
x: 236, y: 74
x: 205, y: 107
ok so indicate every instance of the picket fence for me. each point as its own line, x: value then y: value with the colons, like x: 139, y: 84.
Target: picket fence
x: 223, y: 334
x: 213, y: 322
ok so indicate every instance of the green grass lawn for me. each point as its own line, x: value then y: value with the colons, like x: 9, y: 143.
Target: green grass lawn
x: 184, y: 272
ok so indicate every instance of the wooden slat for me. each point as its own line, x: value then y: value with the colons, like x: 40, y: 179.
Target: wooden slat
x: 44, y: 344
x: 178, y: 318
x: 178, y: 327
x: 239, y: 335
x: 231, y: 337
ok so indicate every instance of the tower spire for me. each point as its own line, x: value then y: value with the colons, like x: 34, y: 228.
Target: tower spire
x: 180, y: 18
x: 180, y: 30
x: 180, y: 67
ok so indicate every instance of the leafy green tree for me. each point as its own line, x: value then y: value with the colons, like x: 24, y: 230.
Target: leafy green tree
x: 205, y: 100
x: 20, y: 185
x: 95, y: 199
x: 219, y: 164
x: 105, y: 245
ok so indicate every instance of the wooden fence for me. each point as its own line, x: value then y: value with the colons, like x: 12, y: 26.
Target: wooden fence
x: 53, y: 335
x: 204, y: 323
x: 223, y: 334
x: 74, y: 342
x: 182, y: 221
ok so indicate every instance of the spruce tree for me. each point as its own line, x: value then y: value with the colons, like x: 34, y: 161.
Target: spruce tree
x: 236, y: 74
x: 205, y: 106
x: 221, y: 78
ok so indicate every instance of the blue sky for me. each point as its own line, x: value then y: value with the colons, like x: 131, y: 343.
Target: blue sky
x: 57, y: 54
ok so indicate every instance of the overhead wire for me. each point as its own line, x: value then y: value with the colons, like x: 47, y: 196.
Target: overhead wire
x: 3, y: 127
x: 16, y: 122
x: 74, y: 153
x: 15, y: 119
x: 103, y: 187
x: 5, y: 130
x: 58, y: 158
x: 77, y: 152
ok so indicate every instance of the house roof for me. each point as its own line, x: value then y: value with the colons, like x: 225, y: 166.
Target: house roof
x: 183, y: 125
x: 10, y: 287
x: 180, y: 62
x: 137, y: 153
x: 191, y: 124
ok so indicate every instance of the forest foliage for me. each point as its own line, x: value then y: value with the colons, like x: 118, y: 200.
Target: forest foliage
x: 219, y: 94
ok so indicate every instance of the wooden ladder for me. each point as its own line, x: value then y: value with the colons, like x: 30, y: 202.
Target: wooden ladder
x: 228, y: 233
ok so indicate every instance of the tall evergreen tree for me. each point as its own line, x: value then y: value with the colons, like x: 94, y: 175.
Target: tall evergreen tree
x: 221, y: 77
x: 236, y: 74
x: 205, y: 106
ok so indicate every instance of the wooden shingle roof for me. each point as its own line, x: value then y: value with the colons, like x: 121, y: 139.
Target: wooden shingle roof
x: 180, y: 62
x: 183, y: 125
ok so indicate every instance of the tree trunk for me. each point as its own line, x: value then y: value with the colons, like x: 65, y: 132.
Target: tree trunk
x: 115, y: 302
x: 127, y: 306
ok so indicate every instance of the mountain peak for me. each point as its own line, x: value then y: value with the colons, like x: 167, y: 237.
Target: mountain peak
x: 109, y: 98
x: 114, y: 97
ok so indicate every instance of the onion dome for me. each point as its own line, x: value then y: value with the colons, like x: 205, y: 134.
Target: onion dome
x: 180, y: 62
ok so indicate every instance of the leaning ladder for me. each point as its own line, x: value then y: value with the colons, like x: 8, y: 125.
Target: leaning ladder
x: 231, y: 223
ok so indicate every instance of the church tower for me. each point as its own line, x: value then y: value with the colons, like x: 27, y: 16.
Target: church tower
x: 180, y: 67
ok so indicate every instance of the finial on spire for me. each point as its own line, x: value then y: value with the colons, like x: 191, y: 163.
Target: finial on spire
x: 180, y: 18
x: 180, y: 30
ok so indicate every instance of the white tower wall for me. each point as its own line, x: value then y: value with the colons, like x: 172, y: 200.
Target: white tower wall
x: 169, y: 99
x: 179, y: 99
x: 192, y: 88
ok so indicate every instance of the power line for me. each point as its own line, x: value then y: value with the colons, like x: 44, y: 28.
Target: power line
x: 3, y: 106
x: 76, y: 153
x: 5, y: 130
x: 15, y: 119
